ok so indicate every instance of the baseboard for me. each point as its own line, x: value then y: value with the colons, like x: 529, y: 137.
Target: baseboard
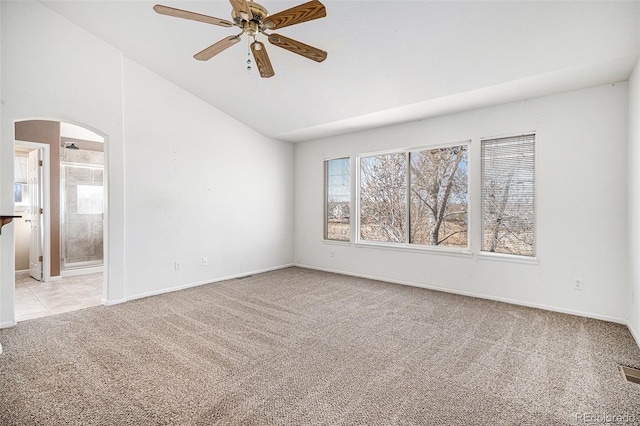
x: 203, y: 282
x: 477, y: 295
x: 634, y: 333
x: 7, y: 324
x: 107, y: 302
x: 50, y: 279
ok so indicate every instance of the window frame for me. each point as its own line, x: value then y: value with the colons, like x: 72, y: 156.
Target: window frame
x: 358, y: 235
x: 24, y: 184
x: 511, y: 257
x: 408, y: 245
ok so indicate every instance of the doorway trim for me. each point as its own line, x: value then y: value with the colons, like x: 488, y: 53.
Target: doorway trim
x: 107, y: 217
x: 46, y: 205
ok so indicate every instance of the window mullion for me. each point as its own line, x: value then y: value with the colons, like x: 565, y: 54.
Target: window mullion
x: 408, y: 198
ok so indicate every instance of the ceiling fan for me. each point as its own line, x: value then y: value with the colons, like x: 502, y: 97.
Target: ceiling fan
x: 252, y: 18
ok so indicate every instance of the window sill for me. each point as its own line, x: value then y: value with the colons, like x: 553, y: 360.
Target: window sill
x: 336, y: 242
x: 483, y: 255
x: 501, y: 257
x: 416, y: 249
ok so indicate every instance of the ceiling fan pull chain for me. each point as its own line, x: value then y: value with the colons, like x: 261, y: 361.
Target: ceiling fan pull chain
x: 248, y: 55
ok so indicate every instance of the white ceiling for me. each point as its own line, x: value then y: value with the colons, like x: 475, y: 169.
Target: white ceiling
x: 388, y: 61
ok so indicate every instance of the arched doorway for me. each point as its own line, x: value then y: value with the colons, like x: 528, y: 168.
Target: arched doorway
x: 71, y: 192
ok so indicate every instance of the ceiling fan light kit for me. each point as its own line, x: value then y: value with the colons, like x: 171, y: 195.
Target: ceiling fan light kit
x: 254, y: 19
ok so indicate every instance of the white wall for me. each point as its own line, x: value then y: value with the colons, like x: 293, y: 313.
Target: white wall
x: 199, y: 184
x: 581, y: 204
x: 53, y: 69
x: 634, y: 203
x: 158, y: 210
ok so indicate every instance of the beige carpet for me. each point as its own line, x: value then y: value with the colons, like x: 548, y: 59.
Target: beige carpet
x: 297, y: 347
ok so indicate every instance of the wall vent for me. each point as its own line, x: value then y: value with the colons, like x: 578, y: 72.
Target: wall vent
x: 631, y: 375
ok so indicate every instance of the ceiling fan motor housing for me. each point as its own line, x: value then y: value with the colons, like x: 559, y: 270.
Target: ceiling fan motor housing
x: 258, y: 11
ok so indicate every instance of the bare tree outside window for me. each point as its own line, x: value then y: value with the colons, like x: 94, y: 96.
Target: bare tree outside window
x: 508, y: 169
x: 383, y: 212
x: 418, y: 197
x: 439, y: 181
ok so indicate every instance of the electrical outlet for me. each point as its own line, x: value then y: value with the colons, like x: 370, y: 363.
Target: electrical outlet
x: 178, y: 266
x: 577, y: 284
x: 205, y: 261
x: 333, y: 253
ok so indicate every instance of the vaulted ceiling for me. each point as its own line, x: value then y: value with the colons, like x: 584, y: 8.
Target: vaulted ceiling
x: 388, y: 61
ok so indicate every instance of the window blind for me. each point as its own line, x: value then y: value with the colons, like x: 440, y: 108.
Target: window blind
x: 508, y: 195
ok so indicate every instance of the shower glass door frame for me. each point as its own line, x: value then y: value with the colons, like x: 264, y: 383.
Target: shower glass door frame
x: 81, y: 215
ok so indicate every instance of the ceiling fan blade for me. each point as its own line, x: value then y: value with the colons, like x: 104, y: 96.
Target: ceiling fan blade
x: 296, y: 15
x: 262, y: 59
x: 242, y: 9
x: 185, y: 14
x: 216, y: 48
x: 294, y: 46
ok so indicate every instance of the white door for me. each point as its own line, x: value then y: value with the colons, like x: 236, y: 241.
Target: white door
x: 35, y: 213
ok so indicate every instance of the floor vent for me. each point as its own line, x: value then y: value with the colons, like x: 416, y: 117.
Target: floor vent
x: 631, y: 375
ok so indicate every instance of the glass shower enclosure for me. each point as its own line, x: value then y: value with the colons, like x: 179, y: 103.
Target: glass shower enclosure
x: 82, y: 209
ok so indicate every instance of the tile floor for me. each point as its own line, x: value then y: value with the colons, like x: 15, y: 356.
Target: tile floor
x: 35, y: 299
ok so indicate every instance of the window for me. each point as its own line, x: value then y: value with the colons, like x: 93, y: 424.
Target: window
x: 417, y: 197
x: 337, y: 199
x: 508, y: 166
x: 19, y: 193
x: 439, y: 184
x: 20, y: 188
x: 383, y: 199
